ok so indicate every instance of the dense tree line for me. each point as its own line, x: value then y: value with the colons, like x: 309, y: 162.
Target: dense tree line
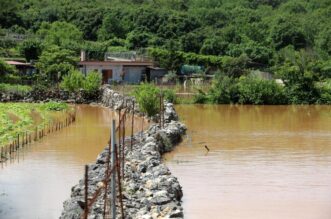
x: 289, y: 38
x: 258, y: 28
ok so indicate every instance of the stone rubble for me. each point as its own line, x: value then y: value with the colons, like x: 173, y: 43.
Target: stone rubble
x: 149, y: 189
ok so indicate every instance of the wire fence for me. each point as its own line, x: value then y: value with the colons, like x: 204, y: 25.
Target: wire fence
x: 25, y: 138
x: 115, y: 165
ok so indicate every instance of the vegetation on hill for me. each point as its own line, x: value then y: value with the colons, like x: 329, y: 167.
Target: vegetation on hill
x: 291, y: 39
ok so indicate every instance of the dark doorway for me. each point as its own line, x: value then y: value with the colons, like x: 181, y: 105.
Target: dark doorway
x: 106, y: 74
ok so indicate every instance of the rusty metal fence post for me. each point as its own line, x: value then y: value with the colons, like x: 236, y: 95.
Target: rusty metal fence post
x: 113, y: 176
x: 163, y: 111
x: 118, y: 170
x: 123, y: 143
x: 132, y: 124
x: 86, y: 193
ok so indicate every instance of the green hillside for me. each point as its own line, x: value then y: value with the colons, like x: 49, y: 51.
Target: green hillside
x: 234, y: 36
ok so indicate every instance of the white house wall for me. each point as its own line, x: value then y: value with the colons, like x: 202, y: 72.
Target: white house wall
x: 117, y: 70
x: 132, y: 74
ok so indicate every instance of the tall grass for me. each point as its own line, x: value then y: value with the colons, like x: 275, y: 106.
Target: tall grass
x: 15, y: 89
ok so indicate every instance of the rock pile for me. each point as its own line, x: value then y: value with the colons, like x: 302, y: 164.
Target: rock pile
x: 38, y: 95
x: 149, y: 189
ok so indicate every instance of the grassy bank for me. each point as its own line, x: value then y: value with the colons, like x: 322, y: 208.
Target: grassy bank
x: 19, y: 118
x: 15, y: 88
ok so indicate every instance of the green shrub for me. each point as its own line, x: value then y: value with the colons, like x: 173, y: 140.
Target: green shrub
x: 298, y: 76
x: 11, y: 79
x: 6, y: 68
x: 92, y: 82
x: 73, y: 81
x: 15, y: 88
x: 254, y: 90
x: 200, y: 97
x: 147, y: 96
x: 55, y: 106
x: 171, y: 76
x: 224, y: 90
x: 169, y: 95
x: 245, y: 90
x: 324, y: 90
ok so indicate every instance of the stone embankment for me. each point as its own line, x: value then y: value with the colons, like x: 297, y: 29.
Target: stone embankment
x: 149, y: 189
x: 52, y: 95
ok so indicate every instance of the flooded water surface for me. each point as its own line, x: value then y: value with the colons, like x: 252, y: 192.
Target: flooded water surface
x: 35, y: 184
x: 265, y: 162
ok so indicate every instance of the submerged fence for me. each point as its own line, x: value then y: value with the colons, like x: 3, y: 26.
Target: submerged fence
x: 25, y: 138
x: 114, y: 174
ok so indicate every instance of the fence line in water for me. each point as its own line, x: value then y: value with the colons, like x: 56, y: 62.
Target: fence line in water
x: 22, y: 140
x: 116, y: 154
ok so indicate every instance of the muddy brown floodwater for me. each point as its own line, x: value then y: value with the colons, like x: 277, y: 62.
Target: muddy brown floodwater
x: 35, y: 184
x: 265, y: 162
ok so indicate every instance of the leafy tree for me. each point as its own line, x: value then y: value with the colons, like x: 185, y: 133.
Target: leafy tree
x: 299, y: 80
x: 296, y: 7
x: 62, y: 34
x: 215, y: 17
x: 177, y: 25
x: 214, y: 46
x: 234, y: 36
x: 273, y: 3
x: 8, y: 13
x: 324, y: 40
x: 55, y: 62
x: 150, y: 19
x: 6, y: 68
x: 89, y: 21
x: 137, y: 39
x: 235, y: 67
x: 111, y: 27
x: 255, y: 51
x: 191, y: 42
x: 31, y: 49
x: 288, y: 31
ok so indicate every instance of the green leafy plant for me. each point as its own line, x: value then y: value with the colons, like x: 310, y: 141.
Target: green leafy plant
x: 200, y: 97
x: 15, y: 88
x: 55, y: 106
x: 6, y: 69
x: 18, y: 118
x: 224, y: 90
x: 147, y: 96
x: 169, y: 95
x: 92, y: 82
x: 254, y: 90
x: 73, y: 81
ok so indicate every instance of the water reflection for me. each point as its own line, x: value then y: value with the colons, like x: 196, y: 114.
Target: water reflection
x: 264, y: 161
x: 35, y: 184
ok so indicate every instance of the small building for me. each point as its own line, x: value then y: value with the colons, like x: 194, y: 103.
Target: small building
x: 116, y: 71
x: 155, y: 73
x: 22, y: 67
x: 119, y: 70
x: 191, y: 69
